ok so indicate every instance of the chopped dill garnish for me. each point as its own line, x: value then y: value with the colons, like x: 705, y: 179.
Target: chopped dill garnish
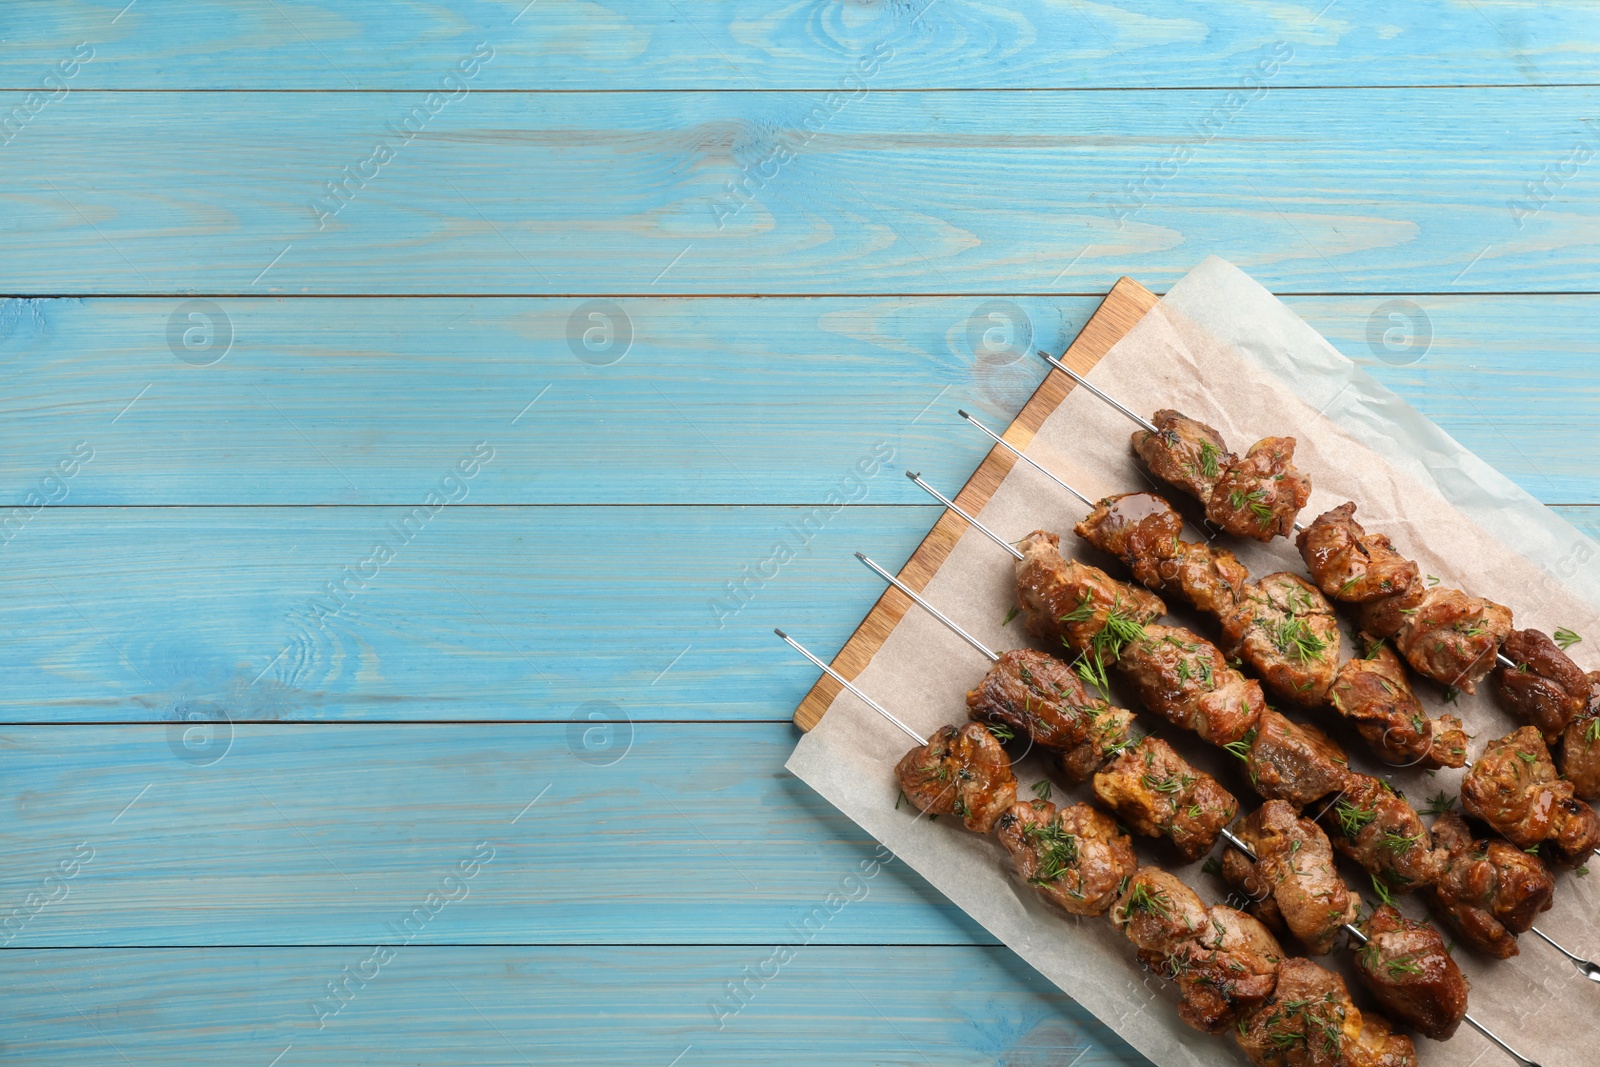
x: 1041, y: 789
x: 1566, y: 638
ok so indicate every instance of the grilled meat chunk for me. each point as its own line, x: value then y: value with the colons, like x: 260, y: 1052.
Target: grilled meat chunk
x: 1186, y: 680
x: 1545, y: 689
x: 1260, y: 495
x: 1293, y: 873
x: 1038, y: 696
x: 1444, y: 634
x: 961, y: 772
x: 1075, y: 857
x: 1110, y: 733
x: 1159, y: 794
x: 1349, y: 564
x: 1373, y: 692
x: 1580, y: 745
x: 1293, y: 762
x: 1067, y: 601
x: 1286, y: 631
x: 1141, y: 529
x: 1222, y: 960
x: 1407, y: 968
x: 1184, y: 452
x: 1373, y: 825
x: 1379, y: 1046
x: 1309, y: 1021
x: 1490, y: 891
x: 1515, y: 789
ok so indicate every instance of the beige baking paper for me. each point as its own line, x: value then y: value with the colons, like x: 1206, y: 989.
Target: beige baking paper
x: 1222, y: 349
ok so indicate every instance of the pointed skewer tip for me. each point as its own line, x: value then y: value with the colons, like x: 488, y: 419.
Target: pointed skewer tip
x: 780, y: 633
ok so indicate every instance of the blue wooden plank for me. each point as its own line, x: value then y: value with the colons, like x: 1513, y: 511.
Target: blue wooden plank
x: 145, y: 614
x: 371, y: 401
x: 374, y: 401
x: 591, y: 833
x: 771, y: 193
x: 509, y: 1007
x: 149, y: 614
x: 258, y: 44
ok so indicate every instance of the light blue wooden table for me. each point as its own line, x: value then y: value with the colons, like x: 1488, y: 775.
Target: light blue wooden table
x: 392, y: 389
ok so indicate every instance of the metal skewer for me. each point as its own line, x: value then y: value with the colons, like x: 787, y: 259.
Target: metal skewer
x: 848, y: 684
x: 1500, y: 657
x: 1233, y: 839
x: 1585, y: 967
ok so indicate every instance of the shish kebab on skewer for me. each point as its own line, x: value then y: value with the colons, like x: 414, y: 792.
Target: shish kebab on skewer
x: 1304, y: 894
x: 1259, y: 622
x: 1230, y: 973
x: 1281, y: 626
x: 1369, y: 822
x: 1445, y: 634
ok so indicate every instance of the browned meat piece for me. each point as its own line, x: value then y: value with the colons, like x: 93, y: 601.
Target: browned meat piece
x: 1444, y: 634
x: 1260, y: 495
x: 1408, y: 969
x: 1386, y: 616
x: 1349, y: 564
x: 1379, y: 1046
x: 1373, y: 692
x: 1184, y: 453
x: 1222, y: 960
x: 1075, y: 857
x: 1067, y: 601
x: 1229, y: 969
x: 1158, y: 913
x: 1186, y: 680
x: 1293, y: 762
x: 1111, y: 732
x: 1309, y: 1021
x: 1545, y: 689
x: 1158, y: 794
x: 1490, y: 891
x: 1294, y: 870
x: 1285, y: 630
x: 1141, y: 529
x: 1580, y: 746
x: 961, y: 772
x: 1515, y: 789
x: 1373, y: 825
x: 1037, y: 696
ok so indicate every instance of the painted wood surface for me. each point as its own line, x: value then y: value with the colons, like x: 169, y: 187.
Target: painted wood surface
x: 488, y: 614
x: 778, y: 44
x: 1311, y: 191
x: 499, y: 1007
x: 595, y: 832
x: 714, y: 400
x: 170, y: 582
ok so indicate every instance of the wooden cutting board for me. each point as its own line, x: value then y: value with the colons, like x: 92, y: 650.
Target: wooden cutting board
x: 1124, y: 306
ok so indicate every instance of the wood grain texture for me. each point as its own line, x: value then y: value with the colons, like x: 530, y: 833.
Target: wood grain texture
x: 351, y: 401
x: 601, y: 833
x: 509, y: 1007
x: 576, y: 44
x: 149, y: 614
x: 1122, y: 308
x: 895, y: 192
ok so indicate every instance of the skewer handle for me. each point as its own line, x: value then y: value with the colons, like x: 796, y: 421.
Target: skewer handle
x: 848, y: 684
x: 1035, y: 464
x: 1492, y: 1036
x: 953, y: 506
x: 929, y: 608
x: 1075, y: 376
x: 1585, y: 967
